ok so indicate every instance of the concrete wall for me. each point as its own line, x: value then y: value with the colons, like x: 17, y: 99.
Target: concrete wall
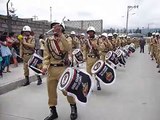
x: 84, y: 24
x: 40, y: 27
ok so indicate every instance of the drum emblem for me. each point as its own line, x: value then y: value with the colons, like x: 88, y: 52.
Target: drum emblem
x: 65, y: 79
x: 109, y: 76
x: 85, y: 89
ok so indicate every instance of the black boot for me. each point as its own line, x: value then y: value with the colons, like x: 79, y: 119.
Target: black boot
x: 73, y: 114
x: 27, y: 81
x: 98, y: 85
x: 39, y: 80
x: 53, y: 114
x: 157, y: 66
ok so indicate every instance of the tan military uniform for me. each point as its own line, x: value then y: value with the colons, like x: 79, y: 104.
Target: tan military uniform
x: 26, y: 51
x: 74, y: 43
x: 104, y: 47
x: 93, y: 54
x: 83, y: 47
x: 56, y: 67
x: 158, y: 51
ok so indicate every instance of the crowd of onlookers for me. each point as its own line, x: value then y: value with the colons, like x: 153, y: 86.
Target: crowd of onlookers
x: 9, y: 51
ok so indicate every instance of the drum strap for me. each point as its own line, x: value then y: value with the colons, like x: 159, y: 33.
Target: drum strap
x: 53, y: 53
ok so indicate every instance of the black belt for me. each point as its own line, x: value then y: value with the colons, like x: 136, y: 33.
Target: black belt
x: 57, y: 65
x: 28, y: 53
x: 92, y: 56
x: 104, y: 51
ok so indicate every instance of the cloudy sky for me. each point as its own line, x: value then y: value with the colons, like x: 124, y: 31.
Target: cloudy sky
x: 113, y: 12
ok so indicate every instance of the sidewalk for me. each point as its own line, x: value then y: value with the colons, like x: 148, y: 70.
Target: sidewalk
x: 14, y: 79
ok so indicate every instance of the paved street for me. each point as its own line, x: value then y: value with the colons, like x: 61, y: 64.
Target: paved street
x: 133, y: 96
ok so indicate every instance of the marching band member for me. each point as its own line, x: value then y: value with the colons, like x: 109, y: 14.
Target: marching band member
x: 93, y: 54
x: 74, y: 44
x: 27, y: 48
x: 83, y: 43
x: 103, y: 46
x: 55, y: 62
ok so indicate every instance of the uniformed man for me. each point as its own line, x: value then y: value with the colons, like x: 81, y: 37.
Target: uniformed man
x: 93, y: 54
x: 74, y: 44
x: 55, y: 62
x: 83, y: 43
x: 103, y: 46
x: 27, y: 48
x: 110, y: 38
x: 157, y: 51
x: 152, y: 44
x: 115, y: 39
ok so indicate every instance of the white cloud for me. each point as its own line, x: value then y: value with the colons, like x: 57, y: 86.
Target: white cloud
x: 111, y: 11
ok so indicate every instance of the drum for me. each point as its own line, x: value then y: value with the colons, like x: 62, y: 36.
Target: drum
x: 104, y: 72
x: 35, y: 63
x: 77, y: 83
x: 120, y: 57
x: 132, y: 45
x: 131, y: 49
x: 78, y: 55
x: 111, y: 57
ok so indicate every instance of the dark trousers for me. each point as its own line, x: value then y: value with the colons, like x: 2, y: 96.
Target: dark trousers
x: 141, y: 49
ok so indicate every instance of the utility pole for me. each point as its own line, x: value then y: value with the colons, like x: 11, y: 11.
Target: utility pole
x: 129, y: 8
x: 50, y: 14
x: 9, y: 18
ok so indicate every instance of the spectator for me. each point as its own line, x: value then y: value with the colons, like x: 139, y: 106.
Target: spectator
x: 142, y: 43
x: 1, y: 75
x: 6, y: 53
x: 14, y: 48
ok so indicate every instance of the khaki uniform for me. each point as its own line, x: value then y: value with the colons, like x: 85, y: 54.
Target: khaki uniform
x: 83, y: 47
x: 113, y: 41
x: 26, y: 51
x: 74, y: 43
x: 51, y: 61
x: 158, y: 53
x: 104, y: 47
x: 92, y: 56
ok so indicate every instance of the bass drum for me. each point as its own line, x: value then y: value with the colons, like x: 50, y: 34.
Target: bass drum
x: 76, y: 83
x: 112, y: 57
x: 104, y: 72
x: 120, y: 57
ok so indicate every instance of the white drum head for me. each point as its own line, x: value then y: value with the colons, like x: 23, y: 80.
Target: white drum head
x: 108, y: 55
x: 75, y: 51
x: 97, y: 66
x: 66, y: 79
x: 118, y: 52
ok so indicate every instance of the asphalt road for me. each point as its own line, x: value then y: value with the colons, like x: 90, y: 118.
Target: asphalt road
x: 134, y: 96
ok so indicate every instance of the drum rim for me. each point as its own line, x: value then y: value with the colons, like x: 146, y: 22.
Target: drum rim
x: 96, y: 71
x: 69, y: 81
x: 118, y: 55
x: 75, y: 51
x: 109, y: 55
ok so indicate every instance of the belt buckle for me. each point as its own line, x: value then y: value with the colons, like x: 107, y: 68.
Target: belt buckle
x: 55, y: 65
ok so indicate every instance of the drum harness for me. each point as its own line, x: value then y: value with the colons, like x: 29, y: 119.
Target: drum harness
x: 59, y: 55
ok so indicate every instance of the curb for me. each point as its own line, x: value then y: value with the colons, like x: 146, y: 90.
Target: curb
x: 16, y: 84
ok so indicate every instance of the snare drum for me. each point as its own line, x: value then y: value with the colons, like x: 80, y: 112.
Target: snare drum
x: 35, y: 63
x: 78, y: 55
x: 104, y: 72
x: 111, y: 57
x: 77, y: 83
